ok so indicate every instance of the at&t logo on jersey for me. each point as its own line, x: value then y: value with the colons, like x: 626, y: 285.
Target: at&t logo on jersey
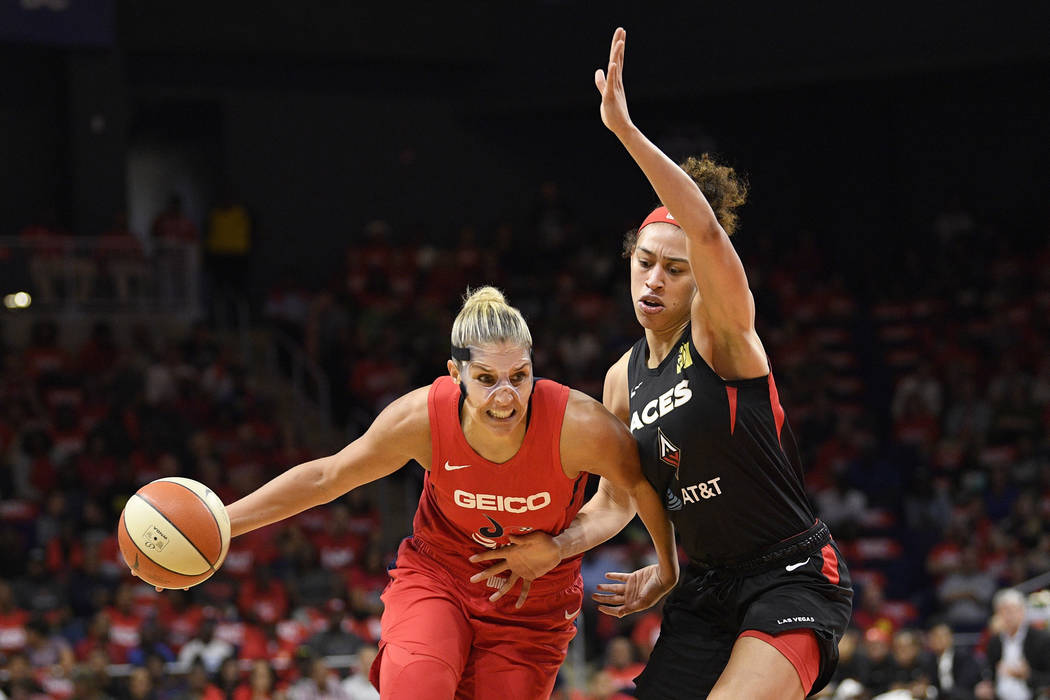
x: 510, y: 504
x: 703, y: 491
x: 662, y: 405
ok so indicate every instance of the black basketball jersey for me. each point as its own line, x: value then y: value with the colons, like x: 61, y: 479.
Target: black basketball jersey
x: 720, y: 453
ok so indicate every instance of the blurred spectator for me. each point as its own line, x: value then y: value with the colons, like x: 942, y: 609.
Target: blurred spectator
x: 334, y: 639
x: 211, y: 650
x: 125, y: 623
x: 120, y: 258
x: 910, y: 665
x: 878, y: 670
x: 140, y: 685
x: 317, y: 681
x: 228, y: 677
x: 44, y: 649
x: 13, y: 622
x: 954, y: 672
x: 1018, y: 653
x: 173, y: 225
x: 151, y: 643
x: 601, y: 686
x: 228, y: 245
x: 263, y: 597
x: 621, y: 663
x: 261, y: 684
x: 965, y: 594
x: 356, y: 685
x: 20, y: 681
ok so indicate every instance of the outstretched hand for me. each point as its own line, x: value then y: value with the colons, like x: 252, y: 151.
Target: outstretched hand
x: 637, y: 591
x: 526, y: 558
x: 610, y: 85
x: 159, y: 589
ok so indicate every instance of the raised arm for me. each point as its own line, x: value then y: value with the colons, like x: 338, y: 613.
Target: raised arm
x: 399, y: 434
x: 719, y: 274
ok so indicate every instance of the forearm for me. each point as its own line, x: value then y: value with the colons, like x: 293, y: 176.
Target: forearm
x: 674, y: 187
x: 599, y: 519
x: 651, y: 511
x: 298, y: 489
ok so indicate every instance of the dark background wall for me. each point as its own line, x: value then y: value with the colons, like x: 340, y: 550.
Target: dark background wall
x: 855, y: 122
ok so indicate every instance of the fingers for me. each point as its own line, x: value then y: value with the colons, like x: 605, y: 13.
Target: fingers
x: 612, y: 45
x: 525, y: 586
x: 615, y: 576
x: 504, y: 589
x: 599, y: 80
x: 612, y: 611
x: 487, y: 555
x: 609, y: 598
x: 491, y: 571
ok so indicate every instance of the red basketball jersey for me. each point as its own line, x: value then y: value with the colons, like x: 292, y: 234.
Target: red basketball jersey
x: 469, y: 502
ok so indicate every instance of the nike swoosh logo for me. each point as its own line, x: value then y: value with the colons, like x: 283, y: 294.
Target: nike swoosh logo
x: 574, y: 613
x: 454, y: 467
x: 635, y: 389
x: 792, y: 567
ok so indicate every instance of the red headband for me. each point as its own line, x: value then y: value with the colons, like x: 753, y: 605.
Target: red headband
x: 659, y: 214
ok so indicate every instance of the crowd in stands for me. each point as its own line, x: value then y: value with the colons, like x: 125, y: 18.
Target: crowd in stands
x: 921, y: 403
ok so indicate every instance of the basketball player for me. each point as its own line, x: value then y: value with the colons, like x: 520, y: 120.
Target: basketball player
x: 505, y: 454
x: 766, y: 595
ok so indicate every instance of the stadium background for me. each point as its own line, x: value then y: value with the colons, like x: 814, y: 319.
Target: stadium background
x: 385, y: 158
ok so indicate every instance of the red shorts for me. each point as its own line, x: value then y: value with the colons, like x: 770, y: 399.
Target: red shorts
x: 490, y: 651
x: 799, y: 647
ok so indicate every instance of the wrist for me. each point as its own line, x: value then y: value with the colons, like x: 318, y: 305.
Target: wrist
x: 628, y: 134
x: 560, y: 546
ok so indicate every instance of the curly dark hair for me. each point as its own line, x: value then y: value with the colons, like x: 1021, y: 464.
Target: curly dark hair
x: 724, y: 189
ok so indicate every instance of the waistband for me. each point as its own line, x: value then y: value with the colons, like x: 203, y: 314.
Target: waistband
x: 804, y: 542
x: 459, y: 569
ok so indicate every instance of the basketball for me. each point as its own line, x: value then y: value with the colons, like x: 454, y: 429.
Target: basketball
x: 174, y: 532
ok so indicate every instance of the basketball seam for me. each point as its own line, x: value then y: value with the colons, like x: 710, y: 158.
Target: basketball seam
x: 192, y: 543
x: 218, y: 528
x: 151, y: 559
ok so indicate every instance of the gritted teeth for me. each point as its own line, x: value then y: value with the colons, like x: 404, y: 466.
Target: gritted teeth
x: 501, y: 414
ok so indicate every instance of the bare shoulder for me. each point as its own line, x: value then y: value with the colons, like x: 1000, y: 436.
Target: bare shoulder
x: 406, y: 420
x: 615, y: 395
x: 590, y: 434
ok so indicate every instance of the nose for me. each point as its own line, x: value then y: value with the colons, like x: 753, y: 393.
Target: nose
x: 655, y: 279
x: 503, y: 395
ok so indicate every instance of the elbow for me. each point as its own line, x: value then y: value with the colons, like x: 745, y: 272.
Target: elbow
x: 324, y: 483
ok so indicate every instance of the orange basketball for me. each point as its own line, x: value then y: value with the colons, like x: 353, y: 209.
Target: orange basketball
x: 174, y: 532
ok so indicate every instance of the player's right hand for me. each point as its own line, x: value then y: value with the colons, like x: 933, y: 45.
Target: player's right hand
x: 636, y: 591
x: 526, y: 557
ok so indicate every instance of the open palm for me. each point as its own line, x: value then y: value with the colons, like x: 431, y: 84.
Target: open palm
x: 610, y: 85
x: 635, y: 591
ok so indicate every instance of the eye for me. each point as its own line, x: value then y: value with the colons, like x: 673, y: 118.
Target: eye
x: 644, y: 264
x: 519, y: 377
x: 484, y: 379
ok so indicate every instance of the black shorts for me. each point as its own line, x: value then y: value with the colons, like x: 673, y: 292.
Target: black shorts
x: 794, y: 588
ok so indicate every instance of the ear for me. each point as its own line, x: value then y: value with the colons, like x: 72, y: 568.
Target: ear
x: 453, y: 371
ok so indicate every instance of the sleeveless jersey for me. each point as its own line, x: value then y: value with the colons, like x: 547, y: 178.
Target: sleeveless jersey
x: 720, y: 453
x: 469, y: 502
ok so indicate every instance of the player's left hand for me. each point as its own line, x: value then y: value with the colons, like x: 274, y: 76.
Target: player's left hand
x: 527, y: 558
x: 636, y: 591
x: 610, y: 85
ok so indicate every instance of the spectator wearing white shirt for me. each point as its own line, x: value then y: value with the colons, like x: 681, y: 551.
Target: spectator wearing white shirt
x: 1018, y: 654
